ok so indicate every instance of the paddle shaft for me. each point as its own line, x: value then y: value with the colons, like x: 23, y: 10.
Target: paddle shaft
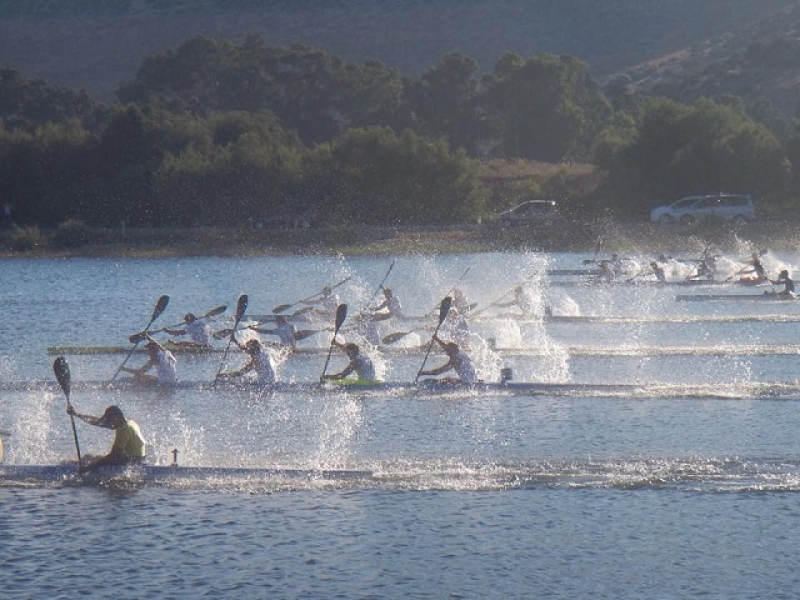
x: 241, y: 306
x: 380, y: 285
x: 341, y: 315
x: 504, y: 296
x: 444, y: 308
x: 138, y: 337
x: 61, y: 369
x: 212, y: 313
x: 282, y: 307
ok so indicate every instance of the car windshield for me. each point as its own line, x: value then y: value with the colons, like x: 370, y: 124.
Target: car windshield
x: 685, y: 202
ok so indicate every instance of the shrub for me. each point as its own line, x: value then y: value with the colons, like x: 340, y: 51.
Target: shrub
x: 72, y: 233
x: 25, y: 239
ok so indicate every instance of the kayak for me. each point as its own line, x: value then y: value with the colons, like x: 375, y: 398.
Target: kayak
x: 655, y: 283
x: 765, y: 297
x: 434, y: 386
x: 88, y: 350
x: 573, y: 272
x: 165, y: 473
x: 510, y: 351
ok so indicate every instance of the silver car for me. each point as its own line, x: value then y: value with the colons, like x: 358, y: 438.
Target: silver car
x: 737, y: 208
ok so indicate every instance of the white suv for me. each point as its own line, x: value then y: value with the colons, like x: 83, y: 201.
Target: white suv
x: 738, y: 208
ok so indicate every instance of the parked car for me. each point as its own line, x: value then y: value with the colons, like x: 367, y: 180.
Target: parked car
x: 738, y: 208
x: 531, y: 212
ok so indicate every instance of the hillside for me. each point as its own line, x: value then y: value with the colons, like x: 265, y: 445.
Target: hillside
x: 759, y: 61
x: 97, y: 45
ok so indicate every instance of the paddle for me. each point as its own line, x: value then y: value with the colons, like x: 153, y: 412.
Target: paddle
x: 161, y: 305
x: 398, y: 335
x: 141, y: 336
x: 341, y: 315
x: 587, y: 261
x: 241, y: 306
x: 444, y: 308
x: 282, y: 307
x: 306, y: 333
x: 61, y: 369
x: 380, y: 285
x: 503, y: 297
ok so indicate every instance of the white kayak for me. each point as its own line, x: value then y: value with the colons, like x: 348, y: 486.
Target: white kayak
x: 161, y: 473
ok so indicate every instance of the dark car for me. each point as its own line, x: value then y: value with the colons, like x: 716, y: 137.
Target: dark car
x: 531, y: 212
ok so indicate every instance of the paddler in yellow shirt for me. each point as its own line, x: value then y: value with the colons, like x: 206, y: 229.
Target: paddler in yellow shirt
x: 129, y: 445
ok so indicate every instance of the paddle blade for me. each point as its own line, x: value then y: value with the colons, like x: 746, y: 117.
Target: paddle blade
x: 61, y: 370
x: 217, y: 311
x: 281, y: 307
x: 394, y: 337
x: 304, y: 333
x: 161, y: 306
x: 137, y: 338
x: 241, y: 306
x: 341, y: 315
x: 444, y: 308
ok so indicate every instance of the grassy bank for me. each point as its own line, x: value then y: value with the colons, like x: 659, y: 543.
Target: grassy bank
x: 603, y: 236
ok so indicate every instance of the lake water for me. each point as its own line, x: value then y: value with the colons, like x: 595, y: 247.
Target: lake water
x: 688, y: 493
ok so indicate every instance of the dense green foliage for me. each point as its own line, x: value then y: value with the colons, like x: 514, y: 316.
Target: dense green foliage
x: 214, y: 133
x: 680, y: 149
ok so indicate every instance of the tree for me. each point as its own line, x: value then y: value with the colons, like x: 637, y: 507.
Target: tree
x: 371, y: 176
x: 682, y: 150
x: 444, y: 101
x: 546, y: 107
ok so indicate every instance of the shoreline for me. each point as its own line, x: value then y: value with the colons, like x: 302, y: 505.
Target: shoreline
x: 604, y: 237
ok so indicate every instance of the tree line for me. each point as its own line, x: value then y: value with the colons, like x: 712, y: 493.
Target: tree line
x: 215, y: 133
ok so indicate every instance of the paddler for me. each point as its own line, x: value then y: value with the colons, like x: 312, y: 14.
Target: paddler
x: 160, y: 358
x: 460, y: 301
x: 359, y: 364
x: 456, y: 326
x: 129, y: 445
x: 327, y: 303
x: 458, y: 362
x: 390, y: 307
x: 523, y: 300
x: 658, y: 271
x: 788, y: 283
x: 758, y: 269
x: 260, y: 363
x: 196, y: 328
x: 283, y: 330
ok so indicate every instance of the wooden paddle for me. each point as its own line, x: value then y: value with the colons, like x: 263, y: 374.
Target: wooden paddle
x: 341, y: 315
x: 61, y: 369
x: 283, y: 307
x: 241, y: 306
x: 161, y: 305
x: 142, y: 335
x: 444, y: 308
